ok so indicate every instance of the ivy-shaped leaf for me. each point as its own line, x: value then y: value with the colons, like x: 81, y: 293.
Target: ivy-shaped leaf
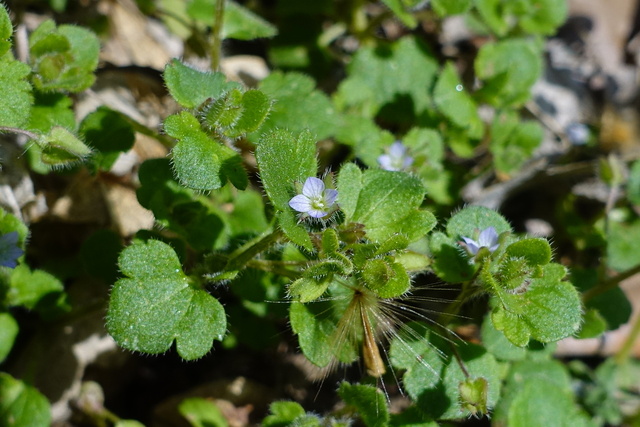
x: 508, y: 69
x: 6, y: 30
x: 8, y: 332
x: 513, y: 142
x: 63, y: 58
x: 398, y: 8
x: 368, y: 88
x: 285, y: 159
x: 454, y: 103
x: 16, y: 99
x: 549, y: 310
x: 433, y: 377
x: 239, y: 22
x: 22, y: 405
x: 200, y: 162
x: 368, y: 401
x: 109, y: 133
x: 298, y: 106
x: 387, y: 203
x: 191, y: 87
x: 157, y: 304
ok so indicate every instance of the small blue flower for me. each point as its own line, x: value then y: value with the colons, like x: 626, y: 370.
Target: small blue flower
x: 9, y: 250
x: 315, y: 200
x: 488, y: 238
x: 396, y: 159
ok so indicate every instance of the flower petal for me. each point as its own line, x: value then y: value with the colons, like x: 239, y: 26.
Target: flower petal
x: 316, y: 213
x: 397, y: 150
x: 300, y: 203
x: 313, y: 187
x: 488, y: 238
x: 330, y: 197
x: 472, y: 245
x: 385, y: 162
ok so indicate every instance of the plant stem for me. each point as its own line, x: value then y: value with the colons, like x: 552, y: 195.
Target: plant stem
x: 19, y: 131
x: 627, y: 347
x: 609, y: 284
x: 216, y: 34
x: 277, y: 267
x: 241, y: 256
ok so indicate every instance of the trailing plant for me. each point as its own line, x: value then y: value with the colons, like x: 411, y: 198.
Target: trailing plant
x: 348, y: 236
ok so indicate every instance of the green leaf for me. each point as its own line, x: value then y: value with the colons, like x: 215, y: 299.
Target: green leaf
x: 543, y: 404
x: 308, y: 289
x: 6, y: 30
x: 548, y: 311
x: 242, y: 24
x: 191, y: 87
x: 63, y: 58
x: 368, y: 401
x: 593, y: 324
x: 16, y: 99
x: 109, y: 133
x: 239, y: 22
x: 283, y: 414
x: 202, y: 413
x: 386, y: 278
x: 433, y: 376
x: 8, y: 332
x: 623, y: 245
x: 255, y: 109
x: 368, y: 87
x: 387, y: 203
x: 22, y: 405
x: 298, y: 106
x: 453, y: 102
x: 535, y: 251
x: 323, y: 334
x: 200, y: 162
x: 450, y: 262
x: 128, y: 423
x: 62, y: 148
x: 450, y: 7
x: 427, y: 148
x: 313, y: 332
x: 613, y: 304
x: 156, y: 303
x: 49, y: 110
x: 285, y: 159
x: 509, y: 69
x: 398, y: 8
x: 513, y: 142
x: 28, y: 288
x: 471, y: 219
x: 492, y: 13
x: 293, y: 231
x: 349, y: 187
x: 544, y: 16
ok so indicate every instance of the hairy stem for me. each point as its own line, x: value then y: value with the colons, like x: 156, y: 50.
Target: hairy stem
x: 216, y: 35
x: 245, y: 253
x: 19, y: 131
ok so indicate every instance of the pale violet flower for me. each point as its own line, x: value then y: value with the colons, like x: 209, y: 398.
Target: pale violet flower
x: 315, y: 200
x: 488, y: 238
x: 396, y: 158
x: 9, y: 250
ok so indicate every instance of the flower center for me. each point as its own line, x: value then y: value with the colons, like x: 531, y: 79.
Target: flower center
x: 318, y: 203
